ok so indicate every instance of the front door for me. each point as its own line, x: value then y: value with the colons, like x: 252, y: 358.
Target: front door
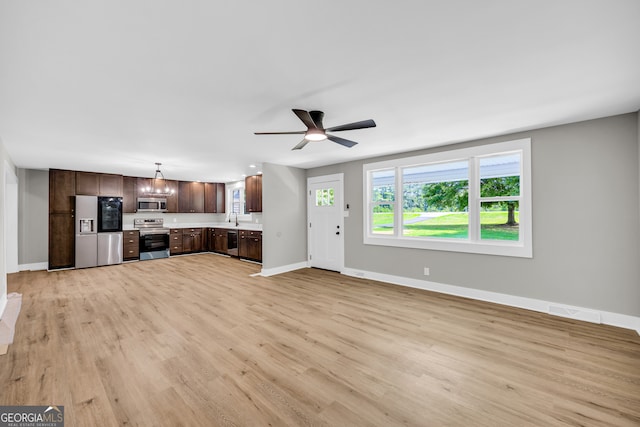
x: 326, y: 222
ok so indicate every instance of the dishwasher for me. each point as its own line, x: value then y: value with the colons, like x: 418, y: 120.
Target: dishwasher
x: 232, y: 242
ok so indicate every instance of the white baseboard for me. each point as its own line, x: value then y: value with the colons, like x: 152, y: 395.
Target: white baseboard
x: 3, y: 304
x: 266, y: 272
x: 553, y: 308
x: 33, y: 267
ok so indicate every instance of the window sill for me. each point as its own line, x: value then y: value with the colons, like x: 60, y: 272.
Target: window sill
x: 506, y: 248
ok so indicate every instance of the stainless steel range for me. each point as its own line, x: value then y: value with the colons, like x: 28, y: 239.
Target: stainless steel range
x: 154, y: 238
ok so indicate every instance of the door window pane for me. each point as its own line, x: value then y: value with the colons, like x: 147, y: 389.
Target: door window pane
x: 325, y: 197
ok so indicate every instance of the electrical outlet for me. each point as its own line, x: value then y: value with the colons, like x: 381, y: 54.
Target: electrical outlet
x: 426, y: 271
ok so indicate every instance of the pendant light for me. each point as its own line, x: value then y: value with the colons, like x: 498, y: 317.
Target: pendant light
x: 159, y: 185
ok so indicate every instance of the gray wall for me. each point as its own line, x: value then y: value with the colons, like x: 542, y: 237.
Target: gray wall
x: 33, y: 216
x: 284, y: 216
x: 586, y: 231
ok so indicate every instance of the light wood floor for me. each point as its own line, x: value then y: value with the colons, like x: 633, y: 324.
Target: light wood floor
x: 195, y: 340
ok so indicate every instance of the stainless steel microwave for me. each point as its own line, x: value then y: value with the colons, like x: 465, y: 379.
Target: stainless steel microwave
x: 151, y: 204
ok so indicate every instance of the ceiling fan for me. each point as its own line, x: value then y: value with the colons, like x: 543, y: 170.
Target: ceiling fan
x: 317, y: 132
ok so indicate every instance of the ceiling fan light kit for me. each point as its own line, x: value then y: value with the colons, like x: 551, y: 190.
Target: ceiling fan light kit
x: 317, y: 132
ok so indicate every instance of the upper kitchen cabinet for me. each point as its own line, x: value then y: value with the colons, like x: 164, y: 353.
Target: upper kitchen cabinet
x: 214, y: 197
x: 130, y: 194
x: 99, y: 184
x: 253, y: 193
x: 62, y: 188
x: 191, y: 197
x: 172, y: 201
x: 110, y: 185
x: 87, y: 183
x: 147, y: 183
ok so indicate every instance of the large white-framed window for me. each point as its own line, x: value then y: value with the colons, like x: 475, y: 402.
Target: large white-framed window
x: 475, y: 200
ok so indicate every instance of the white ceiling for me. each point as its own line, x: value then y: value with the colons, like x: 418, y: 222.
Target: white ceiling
x: 116, y: 85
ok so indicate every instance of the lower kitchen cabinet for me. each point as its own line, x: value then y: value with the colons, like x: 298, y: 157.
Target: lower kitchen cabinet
x: 218, y: 240
x: 61, y: 240
x: 175, y: 241
x: 130, y: 245
x: 250, y: 244
x: 191, y: 240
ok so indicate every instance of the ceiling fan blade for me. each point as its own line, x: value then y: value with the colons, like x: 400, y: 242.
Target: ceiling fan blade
x: 301, y: 144
x: 342, y: 141
x: 317, y: 117
x: 352, y: 126
x: 306, y: 118
x: 300, y: 132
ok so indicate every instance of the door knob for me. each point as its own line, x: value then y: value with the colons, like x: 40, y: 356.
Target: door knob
x: 337, y: 232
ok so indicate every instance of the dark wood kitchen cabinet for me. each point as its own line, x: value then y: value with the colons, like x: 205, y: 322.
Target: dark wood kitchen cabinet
x: 191, y: 240
x: 172, y: 200
x: 191, y: 197
x: 62, y: 187
x: 214, y: 197
x: 250, y: 244
x: 130, y: 245
x: 99, y: 184
x: 61, y: 241
x: 253, y: 193
x: 175, y: 241
x: 87, y: 183
x: 130, y: 191
x: 110, y: 185
x: 218, y: 240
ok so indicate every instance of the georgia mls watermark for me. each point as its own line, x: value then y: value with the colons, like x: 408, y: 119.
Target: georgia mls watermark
x: 31, y: 416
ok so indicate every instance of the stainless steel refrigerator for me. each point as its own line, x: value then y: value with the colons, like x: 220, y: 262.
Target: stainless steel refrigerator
x: 86, y: 231
x: 98, y: 231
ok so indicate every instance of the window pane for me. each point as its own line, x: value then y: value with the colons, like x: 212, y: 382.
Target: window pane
x: 236, y: 202
x: 383, y: 186
x: 500, y: 176
x: 382, y: 219
x: 436, y: 200
x: 500, y: 220
x: 325, y: 197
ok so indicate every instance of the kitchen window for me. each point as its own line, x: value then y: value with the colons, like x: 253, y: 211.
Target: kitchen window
x: 475, y: 200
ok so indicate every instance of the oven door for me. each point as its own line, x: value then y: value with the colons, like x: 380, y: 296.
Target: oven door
x: 154, y: 246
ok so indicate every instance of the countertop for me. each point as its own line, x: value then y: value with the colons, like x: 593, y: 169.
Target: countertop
x: 229, y: 225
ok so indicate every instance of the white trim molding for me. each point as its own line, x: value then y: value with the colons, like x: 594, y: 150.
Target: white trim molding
x: 268, y: 272
x: 552, y: 308
x: 3, y: 305
x: 37, y: 266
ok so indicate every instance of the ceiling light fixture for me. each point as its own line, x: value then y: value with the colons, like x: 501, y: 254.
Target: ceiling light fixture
x: 252, y: 166
x: 315, y: 135
x: 159, y: 185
